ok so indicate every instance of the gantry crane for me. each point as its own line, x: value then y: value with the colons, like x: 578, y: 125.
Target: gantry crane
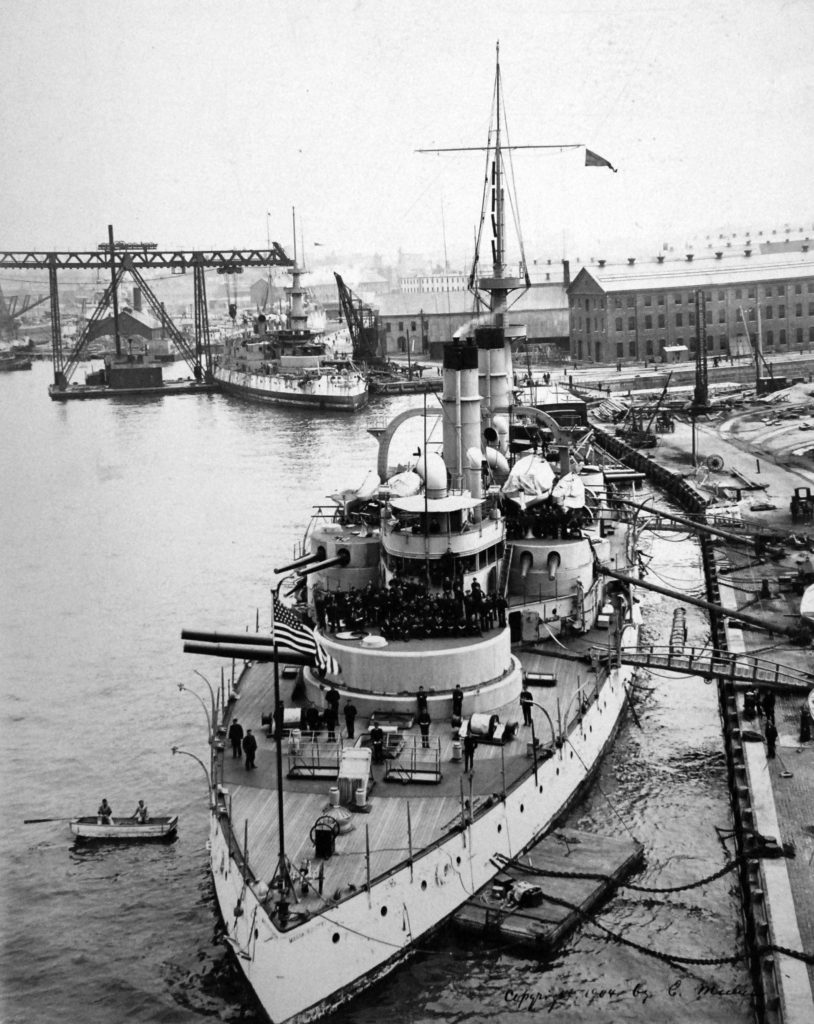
x: 132, y: 258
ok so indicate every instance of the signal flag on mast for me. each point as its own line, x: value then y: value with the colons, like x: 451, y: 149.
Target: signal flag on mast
x: 595, y: 160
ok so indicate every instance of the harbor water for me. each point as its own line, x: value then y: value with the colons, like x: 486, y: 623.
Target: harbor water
x: 123, y: 521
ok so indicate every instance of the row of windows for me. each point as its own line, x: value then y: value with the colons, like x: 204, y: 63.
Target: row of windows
x: 680, y: 298
x: 661, y: 319
x: 723, y: 342
x: 388, y: 326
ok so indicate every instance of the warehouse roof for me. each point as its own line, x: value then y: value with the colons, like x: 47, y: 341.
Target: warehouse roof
x: 700, y: 273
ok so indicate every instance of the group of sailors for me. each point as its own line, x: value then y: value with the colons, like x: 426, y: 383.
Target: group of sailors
x: 407, y: 609
x: 547, y: 520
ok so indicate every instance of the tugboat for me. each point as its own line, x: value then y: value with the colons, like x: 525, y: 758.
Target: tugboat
x: 457, y: 613
x: 292, y: 365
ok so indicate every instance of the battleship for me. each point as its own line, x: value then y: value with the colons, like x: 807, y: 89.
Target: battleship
x: 439, y: 688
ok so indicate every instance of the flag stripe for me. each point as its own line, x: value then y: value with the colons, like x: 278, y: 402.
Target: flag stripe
x: 288, y: 631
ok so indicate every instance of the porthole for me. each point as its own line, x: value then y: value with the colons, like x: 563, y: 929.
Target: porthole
x: 423, y: 886
x: 522, y: 808
x: 541, y: 789
x: 335, y: 938
x: 571, y: 754
x: 558, y: 771
x: 457, y: 860
x: 500, y: 828
x: 384, y: 911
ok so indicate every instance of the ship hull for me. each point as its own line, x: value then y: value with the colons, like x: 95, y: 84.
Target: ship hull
x: 360, y: 940
x: 325, y: 392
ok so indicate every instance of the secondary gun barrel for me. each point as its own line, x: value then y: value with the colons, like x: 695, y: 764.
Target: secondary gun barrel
x: 342, y: 558
x: 298, y: 563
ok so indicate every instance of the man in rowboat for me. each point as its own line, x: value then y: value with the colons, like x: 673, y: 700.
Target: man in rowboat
x: 141, y: 813
x: 105, y: 812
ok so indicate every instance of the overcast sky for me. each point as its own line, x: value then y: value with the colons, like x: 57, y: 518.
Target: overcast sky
x: 187, y: 123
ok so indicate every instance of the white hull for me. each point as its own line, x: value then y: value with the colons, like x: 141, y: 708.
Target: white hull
x: 325, y: 391
x: 366, y: 936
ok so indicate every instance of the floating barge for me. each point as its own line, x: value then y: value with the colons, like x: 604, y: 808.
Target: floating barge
x: 537, y: 900
x: 131, y: 379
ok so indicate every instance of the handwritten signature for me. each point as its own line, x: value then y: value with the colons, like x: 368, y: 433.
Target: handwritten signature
x: 530, y: 1000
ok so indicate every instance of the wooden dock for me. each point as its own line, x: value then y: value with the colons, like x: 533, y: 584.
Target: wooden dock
x: 538, y: 900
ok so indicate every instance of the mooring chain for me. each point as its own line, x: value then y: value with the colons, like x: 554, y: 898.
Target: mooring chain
x: 797, y: 954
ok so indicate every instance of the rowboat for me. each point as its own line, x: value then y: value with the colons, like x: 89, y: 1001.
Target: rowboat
x: 91, y: 828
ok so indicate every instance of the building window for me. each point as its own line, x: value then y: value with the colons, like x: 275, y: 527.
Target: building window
x: 810, y: 286
x: 631, y: 349
x: 811, y: 309
x: 708, y: 296
x: 738, y: 293
x: 708, y: 316
x: 798, y: 309
x: 781, y: 311
x: 799, y: 335
x: 648, y: 300
x: 620, y: 350
x: 679, y: 319
x: 387, y: 327
x: 709, y: 343
x: 631, y: 323
x: 692, y: 318
x: 401, y: 325
x: 649, y: 347
x: 798, y: 288
x: 751, y: 293
x: 768, y: 291
x: 648, y: 322
x: 782, y: 337
x: 631, y: 301
x: 769, y: 313
x: 770, y: 337
x: 781, y: 289
x: 412, y: 325
x: 811, y: 334
x: 721, y: 296
x: 618, y: 323
x: 660, y: 299
x: 678, y: 297
x: 618, y: 302
x: 721, y: 316
x: 661, y: 319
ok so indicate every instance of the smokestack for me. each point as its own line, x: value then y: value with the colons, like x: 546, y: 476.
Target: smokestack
x: 566, y: 273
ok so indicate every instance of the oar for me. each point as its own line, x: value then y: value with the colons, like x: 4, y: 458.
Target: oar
x: 37, y: 821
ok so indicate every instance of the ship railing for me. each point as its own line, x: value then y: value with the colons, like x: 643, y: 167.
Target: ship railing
x: 314, y: 758
x: 415, y: 763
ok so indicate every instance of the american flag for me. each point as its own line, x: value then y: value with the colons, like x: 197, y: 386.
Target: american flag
x: 288, y: 631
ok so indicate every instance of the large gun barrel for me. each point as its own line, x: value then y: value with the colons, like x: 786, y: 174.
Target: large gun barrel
x: 247, y: 652
x: 342, y: 558
x: 298, y: 563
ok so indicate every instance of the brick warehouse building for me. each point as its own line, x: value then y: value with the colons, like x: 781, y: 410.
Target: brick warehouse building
x: 636, y: 312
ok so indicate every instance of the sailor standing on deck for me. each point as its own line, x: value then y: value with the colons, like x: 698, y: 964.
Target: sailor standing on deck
x: 350, y: 717
x: 236, y: 737
x: 526, y: 700
x: 250, y: 749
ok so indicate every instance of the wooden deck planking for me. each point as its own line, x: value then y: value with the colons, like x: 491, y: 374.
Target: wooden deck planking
x: 434, y: 808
